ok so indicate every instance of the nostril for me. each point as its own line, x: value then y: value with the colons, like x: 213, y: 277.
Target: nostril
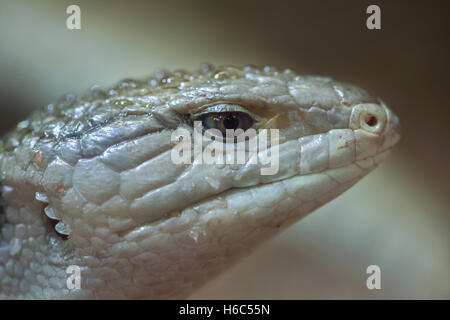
x: 368, y: 116
x: 371, y: 120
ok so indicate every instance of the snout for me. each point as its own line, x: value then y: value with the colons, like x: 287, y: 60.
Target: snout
x: 376, y: 129
x: 392, y: 132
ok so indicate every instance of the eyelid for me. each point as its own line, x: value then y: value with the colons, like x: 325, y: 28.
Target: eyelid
x: 227, y: 107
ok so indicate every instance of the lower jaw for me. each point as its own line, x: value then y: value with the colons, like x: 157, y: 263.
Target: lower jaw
x: 211, y: 235
x: 313, y: 186
x: 272, y: 204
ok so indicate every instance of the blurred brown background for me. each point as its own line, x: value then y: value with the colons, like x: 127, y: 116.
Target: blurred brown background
x: 398, y: 217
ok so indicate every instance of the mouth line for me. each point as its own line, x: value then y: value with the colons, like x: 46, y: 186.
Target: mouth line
x: 158, y: 224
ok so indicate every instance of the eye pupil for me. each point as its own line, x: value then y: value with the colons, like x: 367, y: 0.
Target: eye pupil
x: 231, y: 122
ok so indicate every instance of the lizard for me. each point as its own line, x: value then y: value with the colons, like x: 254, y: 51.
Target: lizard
x: 88, y: 181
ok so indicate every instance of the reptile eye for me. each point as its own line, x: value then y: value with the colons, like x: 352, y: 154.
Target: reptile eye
x: 226, y: 121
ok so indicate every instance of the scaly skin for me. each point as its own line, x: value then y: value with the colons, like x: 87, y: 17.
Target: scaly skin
x: 140, y: 226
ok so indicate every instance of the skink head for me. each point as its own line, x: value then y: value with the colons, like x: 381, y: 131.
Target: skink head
x: 141, y: 224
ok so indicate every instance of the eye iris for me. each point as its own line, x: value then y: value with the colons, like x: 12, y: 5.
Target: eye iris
x: 206, y: 123
x: 231, y: 122
x: 224, y: 121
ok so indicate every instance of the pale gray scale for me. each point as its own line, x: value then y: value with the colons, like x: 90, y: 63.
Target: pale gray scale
x: 94, y: 143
